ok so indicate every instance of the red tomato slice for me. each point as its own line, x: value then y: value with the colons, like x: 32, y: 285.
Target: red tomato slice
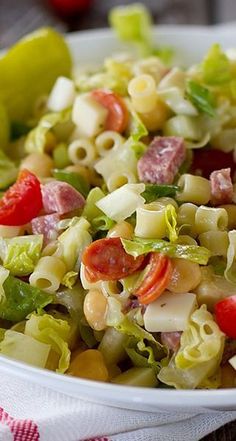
x: 225, y: 312
x: 22, y: 202
x: 118, y: 116
x: 156, y: 280
x: 106, y: 259
x: 211, y: 159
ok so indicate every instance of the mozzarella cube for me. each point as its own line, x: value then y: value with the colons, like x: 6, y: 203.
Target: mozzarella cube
x: 123, y: 202
x: 232, y: 361
x: 89, y: 116
x: 62, y: 95
x: 170, y: 312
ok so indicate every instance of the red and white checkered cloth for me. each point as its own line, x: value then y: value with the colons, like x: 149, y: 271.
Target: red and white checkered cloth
x: 32, y: 413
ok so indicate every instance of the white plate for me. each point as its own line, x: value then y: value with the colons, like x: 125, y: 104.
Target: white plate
x: 190, y: 43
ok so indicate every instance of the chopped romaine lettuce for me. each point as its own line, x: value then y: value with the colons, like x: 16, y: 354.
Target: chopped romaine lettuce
x: 23, y: 81
x: 171, y: 222
x: 69, y: 279
x: 139, y: 149
x: 201, y: 97
x: 8, y: 170
x: 21, y: 254
x: 75, y: 179
x: 73, y: 241
x: 137, y: 129
x: 154, y: 191
x: 53, y: 332
x: 200, y: 353
x: 60, y: 156
x: 36, y: 140
x: 230, y: 270
x: 73, y: 300
x: 216, y: 67
x: 20, y: 299
x: 139, y: 246
x: 132, y: 23
x: 24, y: 348
x: 141, y: 355
x: 102, y: 223
x: 91, y: 211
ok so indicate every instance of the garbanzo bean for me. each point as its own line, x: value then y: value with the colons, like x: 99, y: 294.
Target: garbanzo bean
x: 95, y: 309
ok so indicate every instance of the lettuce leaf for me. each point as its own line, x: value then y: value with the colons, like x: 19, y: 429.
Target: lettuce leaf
x: 171, y: 222
x: 91, y: 211
x: 54, y: 332
x: 139, y: 246
x: 73, y: 300
x: 8, y: 170
x: 21, y: 254
x: 141, y: 346
x: 230, y: 270
x: 132, y: 24
x: 201, y: 97
x: 200, y: 353
x: 216, y: 67
x: 37, y: 138
x: 154, y: 191
x: 60, y: 156
x: 137, y: 129
x: 102, y: 223
x: 73, y: 241
x: 75, y: 179
x: 70, y: 279
x: 20, y: 299
x: 24, y: 348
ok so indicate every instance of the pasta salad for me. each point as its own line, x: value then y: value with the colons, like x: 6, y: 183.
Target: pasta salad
x: 118, y: 211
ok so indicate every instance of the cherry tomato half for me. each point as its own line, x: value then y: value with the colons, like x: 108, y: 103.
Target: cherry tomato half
x: 106, y: 259
x: 225, y: 312
x: 118, y: 116
x: 22, y: 201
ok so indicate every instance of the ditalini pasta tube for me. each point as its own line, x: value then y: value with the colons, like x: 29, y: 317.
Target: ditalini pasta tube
x: 210, y: 219
x: 108, y: 141
x: 186, y: 218
x: 194, y: 189
x: 150, y: 221
x: 48, y: 274
x: 119, y: 178
x: 142, y: 90
x: 82, y: 151
x: 215, y: 241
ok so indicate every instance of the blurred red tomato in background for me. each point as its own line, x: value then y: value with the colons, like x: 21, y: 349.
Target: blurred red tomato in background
x: 69, y: 7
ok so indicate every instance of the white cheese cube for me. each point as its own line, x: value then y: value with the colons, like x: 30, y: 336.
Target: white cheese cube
x: 232, y: 361
x: 88, y: 115
x: 170, y: 312
x: 122, y: 202
x: 62, y: 95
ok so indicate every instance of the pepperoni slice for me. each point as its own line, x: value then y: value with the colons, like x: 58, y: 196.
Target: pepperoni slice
x: 106, y: 259
x: 118, y: 116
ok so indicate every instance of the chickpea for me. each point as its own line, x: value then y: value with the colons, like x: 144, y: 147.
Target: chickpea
x: 95, y: 309
x: 38, y: 163
x: 89, y: 364
x: 122, y: 229
x: 185, y: 277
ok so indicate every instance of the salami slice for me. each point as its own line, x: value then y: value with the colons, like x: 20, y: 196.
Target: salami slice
x: 221, y: 186
x: 171, y: 340
x: 46, y: 225
x: 161, y: 162
x: 60, y: 197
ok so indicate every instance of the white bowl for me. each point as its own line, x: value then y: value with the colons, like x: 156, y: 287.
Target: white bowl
x: 190, y: 44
